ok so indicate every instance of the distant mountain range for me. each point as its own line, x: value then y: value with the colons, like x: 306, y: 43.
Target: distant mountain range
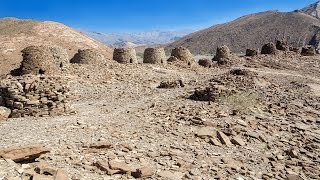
x: 137, y: 38
x: 299, y: 28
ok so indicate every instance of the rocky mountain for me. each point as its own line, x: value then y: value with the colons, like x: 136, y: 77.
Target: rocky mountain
x: 138, y: 38
x: 16, y: 34
x: 312, y: 10
x: 252, y: 31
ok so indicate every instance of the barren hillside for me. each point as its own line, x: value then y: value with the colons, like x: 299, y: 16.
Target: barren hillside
x: 253, y: 31
x: 17, y: 34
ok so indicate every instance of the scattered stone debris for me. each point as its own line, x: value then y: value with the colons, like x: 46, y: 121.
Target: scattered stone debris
x: 87, y: 56
x: 205, y: 63
x: 308, y: 51
x: 154, y: 56
x: 36, y: 96
x: 269, y: 48
x: 125, y: 55
x: 251, y: 52
x: 172, y: 59
x: 171, y: 84
x: 224, y: 138
x: 294, y: 49
x: 23, y: 154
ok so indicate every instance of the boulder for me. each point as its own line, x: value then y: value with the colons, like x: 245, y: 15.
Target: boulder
x: 4, y: 113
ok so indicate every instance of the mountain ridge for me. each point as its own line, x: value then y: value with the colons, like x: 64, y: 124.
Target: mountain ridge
x: 254, y: 30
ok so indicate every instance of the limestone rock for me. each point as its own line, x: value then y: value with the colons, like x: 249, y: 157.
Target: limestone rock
x: 143, y: 172
x: 224, y: 138
x: 238, y: 141
x: 29, y: 153
x: 4, y: 113
x: 119, y: 165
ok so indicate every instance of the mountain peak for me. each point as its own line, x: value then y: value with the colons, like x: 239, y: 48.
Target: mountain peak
x: 313, y: 10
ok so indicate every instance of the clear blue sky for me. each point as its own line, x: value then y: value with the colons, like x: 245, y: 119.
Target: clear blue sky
x: 141, y: 15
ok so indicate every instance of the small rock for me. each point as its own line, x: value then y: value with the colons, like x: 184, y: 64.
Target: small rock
x: 61, y: 175
x: 143, y: 172
x: 169, y: 175
x: 215, y: 141
x: 293, y: 153
x: 4, y: 113
x: 224, y: 138
x: 238, y: 141
x: 119, y: 165
x: 105, y: 167
x: 206, y: 132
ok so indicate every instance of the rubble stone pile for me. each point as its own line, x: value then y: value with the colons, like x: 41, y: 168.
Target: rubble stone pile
x: 308, y: 51
x: 35, y: 96
x: 182, y: 54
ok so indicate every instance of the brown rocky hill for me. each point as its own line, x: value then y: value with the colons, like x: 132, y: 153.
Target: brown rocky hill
x: 252, y: 31
x: 16, y: 34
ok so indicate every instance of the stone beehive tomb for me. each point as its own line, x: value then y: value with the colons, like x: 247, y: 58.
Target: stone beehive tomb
x: 251, y: 52
x: 269, y: 48
x: 223, y: 52
x: 125, y: 55
x: 87, y: 56
x: 35, y: 96
x: 182, y: 54
x: 154, y: 56
x: 282, y: 45
x: 43, y: 60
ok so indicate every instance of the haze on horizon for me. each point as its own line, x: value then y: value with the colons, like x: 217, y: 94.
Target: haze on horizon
x: 141, y: 15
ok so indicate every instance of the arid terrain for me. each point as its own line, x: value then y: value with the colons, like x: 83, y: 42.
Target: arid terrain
x: 73, y: 108
x: 263, y: 122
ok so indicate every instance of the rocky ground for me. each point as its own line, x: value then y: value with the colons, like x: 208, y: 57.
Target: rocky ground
x: 256, y: 119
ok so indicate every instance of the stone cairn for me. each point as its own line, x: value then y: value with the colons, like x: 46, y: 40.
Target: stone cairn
x: 282, y: 45
x: 181, y: 54
x: 42, y: 60
x: 87, y: 56
x: 125, y: 55
x: 205, y: 63
x: 154, y: 56
x: 251, y: 52
x: 308, y: 51
x: 269, y: 48
x: 37, y: 96
x: 223, y: 55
